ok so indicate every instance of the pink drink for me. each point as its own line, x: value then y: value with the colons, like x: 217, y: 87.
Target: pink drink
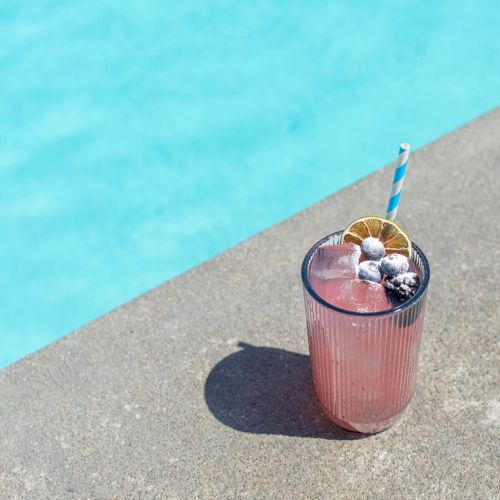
x: 364, y: 350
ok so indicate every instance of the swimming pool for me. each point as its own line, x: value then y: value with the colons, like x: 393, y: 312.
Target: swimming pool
x: 136, y: 143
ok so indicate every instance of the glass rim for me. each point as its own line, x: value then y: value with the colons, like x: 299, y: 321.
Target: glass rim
x: 305, y: 280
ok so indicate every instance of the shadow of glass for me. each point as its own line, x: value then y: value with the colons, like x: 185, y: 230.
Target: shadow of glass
x: 264, y: 390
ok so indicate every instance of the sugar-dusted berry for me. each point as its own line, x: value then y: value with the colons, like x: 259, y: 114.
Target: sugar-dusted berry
x: 402, y: 287
x: 394, y: 264
x: 372, y: 248
x: 370, y: 270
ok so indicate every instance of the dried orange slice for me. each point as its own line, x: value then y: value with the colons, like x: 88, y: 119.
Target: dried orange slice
x: 393, y: 237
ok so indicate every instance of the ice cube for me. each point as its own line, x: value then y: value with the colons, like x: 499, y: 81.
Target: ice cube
x: 335, y: 261
x: 356, y: 295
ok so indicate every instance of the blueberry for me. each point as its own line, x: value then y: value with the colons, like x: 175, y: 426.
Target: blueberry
x: 400, y: 288
x: 373, y: 248
x: 370, y: 270
x: 394, y: 264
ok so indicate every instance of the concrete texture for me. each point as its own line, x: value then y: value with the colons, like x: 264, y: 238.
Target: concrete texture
x: 201, y: 387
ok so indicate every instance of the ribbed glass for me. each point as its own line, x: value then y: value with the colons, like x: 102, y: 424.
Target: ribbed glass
x: 364, y: 365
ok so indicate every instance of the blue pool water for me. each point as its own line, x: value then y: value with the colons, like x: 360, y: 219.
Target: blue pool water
x: 139, y: 139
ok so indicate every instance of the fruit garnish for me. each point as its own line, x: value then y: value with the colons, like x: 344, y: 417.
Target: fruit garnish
x: 370, y: 270
x: 394, y: 264
x: 400, y: 288
x: 393, y: 237
x: 372, y: 248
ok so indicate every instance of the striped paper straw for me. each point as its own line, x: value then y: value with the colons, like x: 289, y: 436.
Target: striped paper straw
x: 397, y: 181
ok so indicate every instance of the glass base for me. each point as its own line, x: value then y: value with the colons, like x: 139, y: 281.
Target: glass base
x: 363, y: 427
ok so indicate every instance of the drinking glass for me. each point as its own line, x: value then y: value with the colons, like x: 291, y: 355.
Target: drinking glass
x: 364, y: 365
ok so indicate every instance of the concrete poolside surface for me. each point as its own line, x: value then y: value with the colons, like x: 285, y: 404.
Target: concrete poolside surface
x: 201, y: 387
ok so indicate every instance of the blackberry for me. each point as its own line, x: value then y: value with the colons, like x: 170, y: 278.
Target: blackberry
x: 401, y: 287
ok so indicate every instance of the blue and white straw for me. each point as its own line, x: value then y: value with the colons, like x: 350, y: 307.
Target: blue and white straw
x: 397, y: 181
